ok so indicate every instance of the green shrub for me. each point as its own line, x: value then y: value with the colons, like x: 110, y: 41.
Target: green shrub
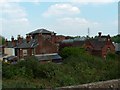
x: 78, y: 67
x: 111, y: 56
x: 71, y: 51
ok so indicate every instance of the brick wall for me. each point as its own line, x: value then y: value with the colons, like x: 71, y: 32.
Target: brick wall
x: 106, y: 85
x: 59, y: 38
x: 46, y: 45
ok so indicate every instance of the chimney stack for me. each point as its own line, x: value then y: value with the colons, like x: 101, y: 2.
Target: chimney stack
x: 53, y: 37
x: 12, y: 38
x: 99, y: 34
x: 13, y: 41
x: 108, y: 38
x: 28, y: 38
x: 19, y: 39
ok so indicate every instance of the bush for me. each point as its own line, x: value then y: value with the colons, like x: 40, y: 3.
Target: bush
x: 78, y: 67
x: 71, y: 51
x: 8, y: 71
x: 111, y: 56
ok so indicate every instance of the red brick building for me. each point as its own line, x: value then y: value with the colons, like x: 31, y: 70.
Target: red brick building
x: 40, y: 41
x: 100, y: 46
x: 59, y: 38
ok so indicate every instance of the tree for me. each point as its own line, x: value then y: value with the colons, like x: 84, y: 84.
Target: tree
x: 71, y: 51
x: 116, y: 38
x: 2, y: 40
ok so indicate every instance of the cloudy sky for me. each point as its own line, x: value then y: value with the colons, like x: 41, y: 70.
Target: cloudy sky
x: 66, y: 17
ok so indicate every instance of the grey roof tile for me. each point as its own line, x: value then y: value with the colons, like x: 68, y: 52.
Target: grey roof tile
x: 40, y: 31
x: 97, y: 45
x: 32, y: 44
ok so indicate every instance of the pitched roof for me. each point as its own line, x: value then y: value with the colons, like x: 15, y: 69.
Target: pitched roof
x: 33, y: 43
x: 43, y: 31
x: 97, y: 45
x: 10, y: 45
x: 103, y: 37
x: 46, y: 57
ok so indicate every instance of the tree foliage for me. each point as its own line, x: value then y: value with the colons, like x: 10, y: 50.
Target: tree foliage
x: 2, y: 40
x: 116, y: 38
x: 78, y: 67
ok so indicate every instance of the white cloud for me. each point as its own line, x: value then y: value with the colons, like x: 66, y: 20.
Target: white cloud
x: 4, y: 1
x: 95, y: 1
x: 12, y: 10
x: 73, y: 26
x: 80, y: 1
x: 76, y: 26
x: 61, y: 9
x: 76, y: 21
x: 13, y: 19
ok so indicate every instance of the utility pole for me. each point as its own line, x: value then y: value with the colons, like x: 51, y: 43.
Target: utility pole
x: 88, y: 32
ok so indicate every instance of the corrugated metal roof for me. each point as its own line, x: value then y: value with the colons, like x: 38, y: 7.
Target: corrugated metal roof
x: 68, y: 41
x: 73, y: 40
x: 52, y: 56
x: 80, y: 39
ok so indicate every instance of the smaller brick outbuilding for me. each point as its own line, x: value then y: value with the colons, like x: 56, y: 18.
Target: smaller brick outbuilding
x: 100, y: 46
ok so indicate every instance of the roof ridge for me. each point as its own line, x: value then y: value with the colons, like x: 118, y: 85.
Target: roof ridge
x: 40, y: 31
